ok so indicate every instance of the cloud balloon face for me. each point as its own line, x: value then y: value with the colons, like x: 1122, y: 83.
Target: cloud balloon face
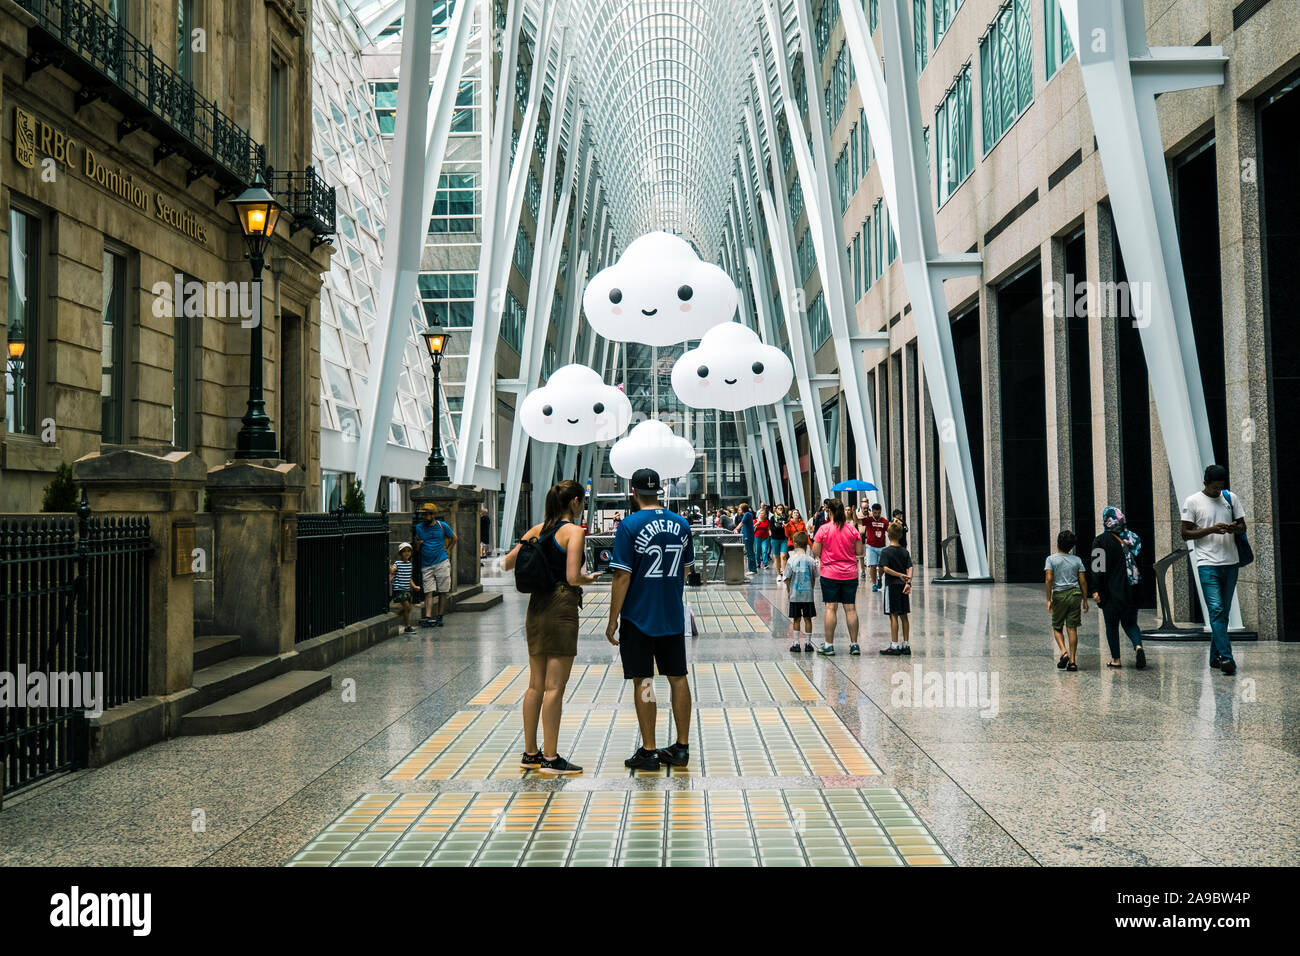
x: 658, y: 293
x: 575, y: 407
x: 652, y: 444
x: 731, y: 370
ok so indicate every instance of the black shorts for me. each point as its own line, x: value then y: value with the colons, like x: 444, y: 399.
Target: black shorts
x: 893, y: 600
x: 800, y: 609
x: 402, y: 597
x: 835, y: 591
x: 641, y: 652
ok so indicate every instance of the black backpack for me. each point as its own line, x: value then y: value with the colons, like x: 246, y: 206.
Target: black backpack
x: 533, y: 573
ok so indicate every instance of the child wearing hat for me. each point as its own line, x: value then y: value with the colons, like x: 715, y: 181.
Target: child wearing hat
x: 401, y: 585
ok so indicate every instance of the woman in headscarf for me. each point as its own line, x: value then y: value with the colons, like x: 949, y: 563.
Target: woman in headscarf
x: 1113, y: 577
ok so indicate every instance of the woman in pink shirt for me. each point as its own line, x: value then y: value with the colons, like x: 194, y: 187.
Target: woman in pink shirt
x: 838, y: 545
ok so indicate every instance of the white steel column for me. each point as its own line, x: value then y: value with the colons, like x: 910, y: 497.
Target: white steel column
x: 1122, y: 77
x: 827, y: 231
x: 419, y: 146
x: 893, y: 116
x: 548, y: 244
x: 499, y: 234
x: 781, y: 239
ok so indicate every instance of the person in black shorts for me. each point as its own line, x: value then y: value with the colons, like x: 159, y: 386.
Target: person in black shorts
x: 895, y: 596
x: 652, y: 551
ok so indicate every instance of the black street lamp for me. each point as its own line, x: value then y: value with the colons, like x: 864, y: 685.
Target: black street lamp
x: 435, y: 340
x: 258, y: 213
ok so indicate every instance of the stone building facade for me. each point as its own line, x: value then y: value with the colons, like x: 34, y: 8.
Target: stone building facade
x: 117, y: 164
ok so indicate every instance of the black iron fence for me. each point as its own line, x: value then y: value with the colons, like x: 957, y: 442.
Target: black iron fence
x: 74, y: 634
x: 307, y: 199
x: 343, y: 564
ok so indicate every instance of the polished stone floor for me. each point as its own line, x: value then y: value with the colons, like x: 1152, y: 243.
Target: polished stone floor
x: 976, y: 750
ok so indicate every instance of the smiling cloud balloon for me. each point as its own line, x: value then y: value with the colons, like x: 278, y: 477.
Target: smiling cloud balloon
x: 732, y: 370
x: 658, y: 293
x: 652, y: 444
x: 575, y: 407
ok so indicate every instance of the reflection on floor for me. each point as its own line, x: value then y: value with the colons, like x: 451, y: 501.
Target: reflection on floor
x: 716, y: 612
x: 842, y: 827
x: 785, y: 741
x: 710, y: 684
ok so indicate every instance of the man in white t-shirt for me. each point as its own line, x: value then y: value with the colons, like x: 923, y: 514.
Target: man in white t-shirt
x: 1211, y: 519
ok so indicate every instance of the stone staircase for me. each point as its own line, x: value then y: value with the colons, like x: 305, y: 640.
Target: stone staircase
x: 472, y: 598
x: 242, y: 691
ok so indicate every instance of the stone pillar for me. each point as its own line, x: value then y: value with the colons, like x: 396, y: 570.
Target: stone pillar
x: 163, y: 484
x: 458, y: 505
x: 255, y: 506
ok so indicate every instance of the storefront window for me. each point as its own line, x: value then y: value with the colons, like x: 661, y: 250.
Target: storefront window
x: 23, y: 324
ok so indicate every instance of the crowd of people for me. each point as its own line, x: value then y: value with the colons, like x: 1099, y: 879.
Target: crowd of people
x: 653, y: 552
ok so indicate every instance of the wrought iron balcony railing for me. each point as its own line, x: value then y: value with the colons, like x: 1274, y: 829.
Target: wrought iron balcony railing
x: 307, y: 199
x: 113, y: 64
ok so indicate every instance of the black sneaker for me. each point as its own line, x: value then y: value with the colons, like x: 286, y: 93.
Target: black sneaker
x: 529, y: 761
x: 678, y: 755
x: 1142, y: 658
x: 808, y: 648
x: 557, y: 766
x: 437, y: 621
x: 906, y: 649
x: 1228, y: 666
x: 854, y: 650
x: 426, y: 622
x: 892, y: 651
x: 1216, y: 662
x: 795, y: 647
x: 643, y: 760
x: 408, y: 629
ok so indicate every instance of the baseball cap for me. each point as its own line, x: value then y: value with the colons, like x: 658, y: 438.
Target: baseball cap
x: 428, y: 508
x: 404, y: 546
x: 645, y: 480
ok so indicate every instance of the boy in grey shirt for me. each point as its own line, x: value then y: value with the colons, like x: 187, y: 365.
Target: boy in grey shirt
x: 1065, y: 587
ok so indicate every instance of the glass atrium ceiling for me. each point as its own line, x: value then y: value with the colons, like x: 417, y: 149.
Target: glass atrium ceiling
x: 663, y: 81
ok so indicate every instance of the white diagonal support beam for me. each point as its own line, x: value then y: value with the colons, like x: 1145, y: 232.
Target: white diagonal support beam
x: 893, y: 113
x: 827, y: 231
x: 781, y: 241
x: 549, y: 242
x: 507, y: 198
x: 419, y: 146
x: 1122, y: 77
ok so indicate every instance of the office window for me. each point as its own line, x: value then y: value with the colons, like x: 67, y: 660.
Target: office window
x: 453, y: 204
x: 796, y: 201
x: 22, y: 381
x: 275, y: 102
x: 878, y: 239
x: 112, y: 349
x: 384, y: 95
x: 533, y: 194
x: 890, y: 239
x: 819, y: 323
x: 943, y: 12
x: 448, y: 298
x: 185, y: 26
x: 512, y: 322
x: 1057, y: 37
x: 873, y: 14
x: 464, y: 119
x: 857, y: 267
x: 523, y: 255
x: 954, y: 139
x: 919, y: 49
x: 1006, y: 74
x: 864, y: 147
x: 825, y: 20
x: 183, y: 379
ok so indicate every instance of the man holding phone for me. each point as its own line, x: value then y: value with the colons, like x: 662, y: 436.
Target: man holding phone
x: 1211, y: 520
x: 652, y: 552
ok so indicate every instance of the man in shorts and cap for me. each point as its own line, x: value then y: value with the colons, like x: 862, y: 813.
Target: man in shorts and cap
x: 652, y: 552
x: 435, y: 539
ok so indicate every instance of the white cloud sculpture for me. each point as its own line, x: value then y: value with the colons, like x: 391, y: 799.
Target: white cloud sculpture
x: 575, y: 407
x: 732, y: 369
x: 658, y: 293
x: 652, y: 444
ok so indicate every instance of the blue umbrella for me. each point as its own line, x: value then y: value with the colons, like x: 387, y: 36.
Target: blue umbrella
x: 854, y: 484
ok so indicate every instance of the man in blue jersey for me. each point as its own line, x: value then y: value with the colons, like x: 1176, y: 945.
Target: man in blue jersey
x: 652, y: 550
x: 435, y: 538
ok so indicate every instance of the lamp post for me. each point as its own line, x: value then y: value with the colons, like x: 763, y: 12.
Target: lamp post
x: 258, y: 213
x: 435, y: 340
